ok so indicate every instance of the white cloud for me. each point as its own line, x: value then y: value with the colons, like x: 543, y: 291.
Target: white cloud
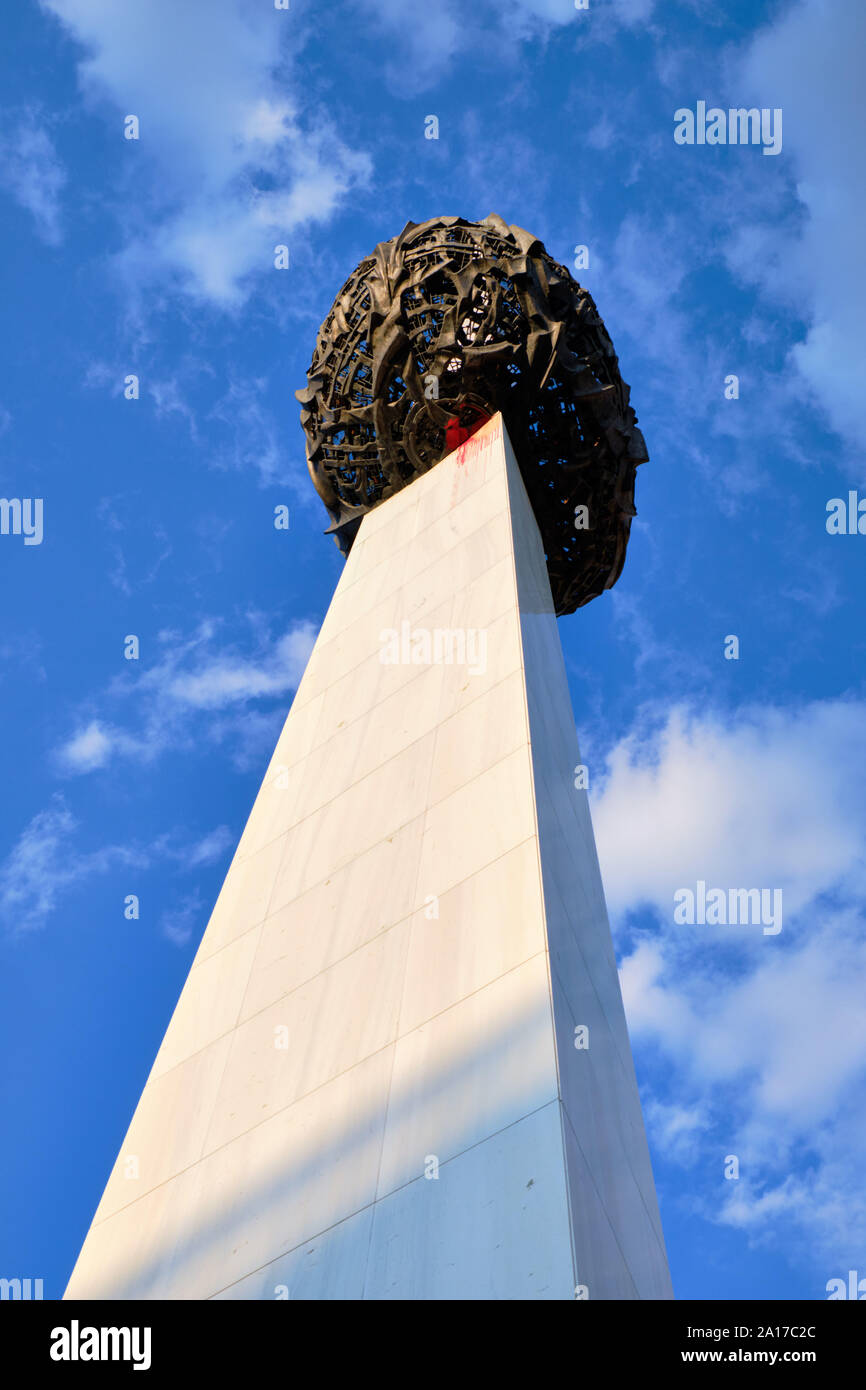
x: 230, y: 679
x: 31, y: 171
x: 234, y: 165
x: 42, y: 865
x: 169, y: 400
x: 607, y: 14
x: 678, y: 1130
x: 190, y: 675
x: 633, y: 13
x: 819, y: 1211
x: 89, y: 748
x: 792, y: 1029
x: 602, y: 135
x: 763, y: 1039
x: 423, y: 44
x: 811, y: 65
x: 439, y: 32
x: 770, y: 1064
x: 97, y: 744
x: 210, y: 848
x: 179, y: 922
x: 255, y: 441
x: 775, y: 800
x: 47, y: 860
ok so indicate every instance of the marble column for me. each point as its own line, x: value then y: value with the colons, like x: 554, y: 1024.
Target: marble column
x: 399, y: 1066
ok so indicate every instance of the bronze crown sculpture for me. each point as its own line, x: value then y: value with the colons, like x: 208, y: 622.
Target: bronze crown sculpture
x: 432, y: 334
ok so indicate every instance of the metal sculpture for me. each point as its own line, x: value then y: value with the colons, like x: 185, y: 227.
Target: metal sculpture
x: 432, y: 334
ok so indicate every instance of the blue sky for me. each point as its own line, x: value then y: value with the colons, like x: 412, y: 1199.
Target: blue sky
x: 155, y: 257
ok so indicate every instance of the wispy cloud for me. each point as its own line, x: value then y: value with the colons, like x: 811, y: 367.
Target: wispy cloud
x: 422, y: 46
x: 191, y: 675
x: 762, y: 1039
x: 232, y: 163
x: 31, y: 171
x: 40, y: 868
x: 209, y: 849
x: 254, y: 440
x: 179, y: 922
x: 427, y: 44
x: 813, y: 70
x: 49, y: 859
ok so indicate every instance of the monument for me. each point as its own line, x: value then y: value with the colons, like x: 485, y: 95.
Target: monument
x: 399, y: 1067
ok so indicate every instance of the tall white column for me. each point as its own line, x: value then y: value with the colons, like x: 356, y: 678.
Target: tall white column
x: 370, y: 1086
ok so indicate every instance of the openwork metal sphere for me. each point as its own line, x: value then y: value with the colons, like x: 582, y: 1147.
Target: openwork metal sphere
x: 432, y: 334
